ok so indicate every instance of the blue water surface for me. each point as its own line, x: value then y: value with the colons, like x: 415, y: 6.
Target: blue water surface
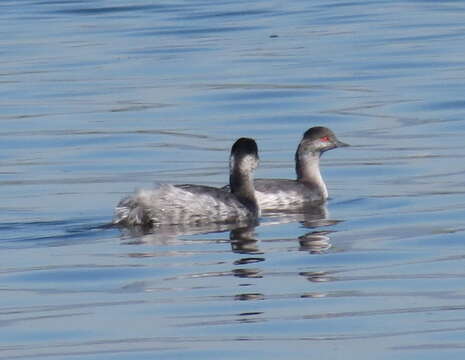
x: 101, y: 97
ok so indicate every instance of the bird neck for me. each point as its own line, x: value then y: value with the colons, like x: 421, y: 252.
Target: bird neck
x: 242, y: 187
x: 307, y: 167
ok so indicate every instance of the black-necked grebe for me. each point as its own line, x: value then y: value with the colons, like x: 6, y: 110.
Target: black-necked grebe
x: 197, y: 204
x: 273, y: 194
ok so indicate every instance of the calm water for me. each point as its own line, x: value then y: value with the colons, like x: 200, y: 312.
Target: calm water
x: 101, y: 97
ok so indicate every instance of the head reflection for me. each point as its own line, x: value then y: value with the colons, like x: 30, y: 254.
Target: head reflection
x: 315, y: 242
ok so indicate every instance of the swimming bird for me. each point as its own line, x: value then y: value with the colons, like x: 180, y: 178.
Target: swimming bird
x: 275, y: 194
x: 198, y: 204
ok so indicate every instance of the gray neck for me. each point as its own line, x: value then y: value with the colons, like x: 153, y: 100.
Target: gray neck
x: 242, y: 187
x: 307, y: 167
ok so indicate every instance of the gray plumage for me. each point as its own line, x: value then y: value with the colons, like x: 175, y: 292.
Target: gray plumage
x: 197, y: 204
x: 275, y: 194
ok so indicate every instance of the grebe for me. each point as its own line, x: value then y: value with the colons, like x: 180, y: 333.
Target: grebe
x: 197, y: 204
x: 275, y: 194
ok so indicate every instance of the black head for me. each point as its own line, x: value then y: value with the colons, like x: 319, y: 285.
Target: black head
x: 320, y: 139
x: 244, y: 146
x: 244, y: 156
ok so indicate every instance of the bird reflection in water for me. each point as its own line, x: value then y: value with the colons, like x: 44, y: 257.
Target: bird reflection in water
x: 242, y: 237
x: 169, y: 234
x: 309, y: 215
x: 315, y: 242
x: 245, y: 242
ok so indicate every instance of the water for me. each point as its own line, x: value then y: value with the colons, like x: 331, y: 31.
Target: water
x: 101, y: 97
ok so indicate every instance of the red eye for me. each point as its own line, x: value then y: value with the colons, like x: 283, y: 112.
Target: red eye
x: 325, y: 138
